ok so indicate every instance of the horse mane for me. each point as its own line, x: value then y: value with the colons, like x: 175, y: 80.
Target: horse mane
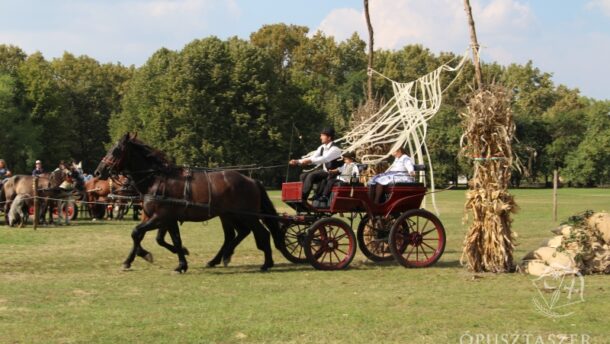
x: 56, y: 178
x: 157, y: 156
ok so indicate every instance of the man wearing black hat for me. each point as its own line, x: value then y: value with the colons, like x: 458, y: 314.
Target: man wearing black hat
x: 327, y: 156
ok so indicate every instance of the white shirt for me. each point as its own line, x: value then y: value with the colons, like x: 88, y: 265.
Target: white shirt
x: 329, y: 154
x: 402, y: 164
x: 347, y: 171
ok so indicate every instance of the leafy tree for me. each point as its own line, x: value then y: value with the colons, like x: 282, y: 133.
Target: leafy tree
x: 19, y: 140
x: 589, y: 163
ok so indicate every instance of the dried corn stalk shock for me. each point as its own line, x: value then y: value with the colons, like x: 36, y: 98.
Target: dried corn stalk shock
x: 488, y: 134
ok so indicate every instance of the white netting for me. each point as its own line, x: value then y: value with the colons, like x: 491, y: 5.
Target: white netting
x: 403, y: 120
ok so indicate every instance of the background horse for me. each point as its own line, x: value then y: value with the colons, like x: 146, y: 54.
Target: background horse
x: 175, y: 194
x: 49, y: 185
x: 100, y: 204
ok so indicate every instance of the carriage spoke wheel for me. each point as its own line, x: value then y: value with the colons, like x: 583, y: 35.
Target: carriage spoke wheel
x: 292, y: 247
x: 330, y: 244
x: 373, y: 238
x: 417, y: 239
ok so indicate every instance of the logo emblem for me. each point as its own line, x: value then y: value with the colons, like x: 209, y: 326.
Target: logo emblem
x: 559, y: 287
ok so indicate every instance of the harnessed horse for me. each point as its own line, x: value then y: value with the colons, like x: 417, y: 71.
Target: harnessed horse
x: 175, y: 194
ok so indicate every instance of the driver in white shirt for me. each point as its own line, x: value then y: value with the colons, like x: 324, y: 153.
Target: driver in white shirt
x: 327, y: 156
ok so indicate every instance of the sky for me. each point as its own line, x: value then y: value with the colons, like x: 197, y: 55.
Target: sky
x: 568, y: 38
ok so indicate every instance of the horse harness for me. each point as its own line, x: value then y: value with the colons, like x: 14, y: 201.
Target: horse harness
x: 158, y: 193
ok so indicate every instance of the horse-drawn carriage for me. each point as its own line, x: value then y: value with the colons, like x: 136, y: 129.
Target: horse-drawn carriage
x: 396, y: 228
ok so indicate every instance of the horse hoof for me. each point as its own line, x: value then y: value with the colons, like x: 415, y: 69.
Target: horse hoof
x: 226, y: 261
x: 185, y: 250
x: 181, y: 269
x: 266, y: 266
x: 126, y: 267
x: 148, y: 257
x: 211, y: 264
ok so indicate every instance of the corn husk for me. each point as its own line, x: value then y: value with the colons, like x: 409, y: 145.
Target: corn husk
x: 488, y: 134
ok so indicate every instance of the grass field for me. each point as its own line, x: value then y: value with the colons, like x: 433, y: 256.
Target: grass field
x: 65, y: 285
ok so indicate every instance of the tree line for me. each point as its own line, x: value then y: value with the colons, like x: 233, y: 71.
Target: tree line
x: 235, y: 101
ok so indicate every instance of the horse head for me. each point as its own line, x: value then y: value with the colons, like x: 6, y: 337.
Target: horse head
x: 76, y: 175
x: 114, y: 160
x: 131, y: 156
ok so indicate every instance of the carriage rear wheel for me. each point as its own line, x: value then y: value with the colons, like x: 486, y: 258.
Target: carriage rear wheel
x: 294, y: 240
x: 417, y: 239
x: 330, y: 244
x: 373, y: 237
x: 69, y: 208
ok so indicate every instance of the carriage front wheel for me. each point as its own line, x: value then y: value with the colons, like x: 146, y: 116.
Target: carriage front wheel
x: 417, y: 239
x: 373, y: 237
x: 292, y: 247
x: 330, y: 244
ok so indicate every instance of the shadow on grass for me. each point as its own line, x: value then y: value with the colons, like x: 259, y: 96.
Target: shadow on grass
x: 288, y: 267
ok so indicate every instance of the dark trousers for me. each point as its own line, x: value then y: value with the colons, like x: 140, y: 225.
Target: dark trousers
x: 309, y: 178
x: 328, y: 187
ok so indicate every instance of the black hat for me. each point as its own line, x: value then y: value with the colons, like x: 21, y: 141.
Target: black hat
x: 328, y: 131
x: 350, y: 155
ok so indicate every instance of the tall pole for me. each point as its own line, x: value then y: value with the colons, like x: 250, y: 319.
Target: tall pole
x: 555, y: 184
x: 369, y: 82
x: 474, y: 45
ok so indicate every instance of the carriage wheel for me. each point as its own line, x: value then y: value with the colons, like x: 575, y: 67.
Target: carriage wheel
x: 294, y: 240
x: 373, y: 237
x: 330, y: 244
x: 417, y: 239
x: 71, y: 208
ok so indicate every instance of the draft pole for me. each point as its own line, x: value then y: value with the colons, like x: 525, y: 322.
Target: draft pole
x: 555, y: 184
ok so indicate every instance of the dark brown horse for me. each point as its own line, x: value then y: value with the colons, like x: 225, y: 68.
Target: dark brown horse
x: 175, y: 194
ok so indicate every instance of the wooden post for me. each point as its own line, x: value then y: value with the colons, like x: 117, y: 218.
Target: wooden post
x: 555, y: 183
x: 369, y: 83
x: 35, y: 195
x: 475, y: 46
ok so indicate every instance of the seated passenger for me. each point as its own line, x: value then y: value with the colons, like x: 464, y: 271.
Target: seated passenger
x: 401, y: 171
x: 348, y: 173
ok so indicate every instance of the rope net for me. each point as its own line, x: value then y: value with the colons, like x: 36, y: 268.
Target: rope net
x: 403, y: 120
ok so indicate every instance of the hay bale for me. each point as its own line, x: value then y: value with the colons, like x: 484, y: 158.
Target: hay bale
x: 550, y: 256
x: 535, y: 267
x: 553, y: 242
x: 565, y: 230
x: 601, y: 221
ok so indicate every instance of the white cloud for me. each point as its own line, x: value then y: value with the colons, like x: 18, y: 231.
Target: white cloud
x: 604, y: 5
x: 438, y: 24
x: 508, y: 30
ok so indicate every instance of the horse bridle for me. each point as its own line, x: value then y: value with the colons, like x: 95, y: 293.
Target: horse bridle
x: 115, y: 164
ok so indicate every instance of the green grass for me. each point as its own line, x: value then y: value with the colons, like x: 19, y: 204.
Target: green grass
x: 64, y: 285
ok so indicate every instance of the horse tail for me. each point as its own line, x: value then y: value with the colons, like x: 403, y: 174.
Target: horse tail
x: 271, y: 219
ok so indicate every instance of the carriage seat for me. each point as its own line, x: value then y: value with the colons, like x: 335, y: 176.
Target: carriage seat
x: 417, y: 168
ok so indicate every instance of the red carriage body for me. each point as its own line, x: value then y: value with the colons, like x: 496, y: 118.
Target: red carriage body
x: 395, y: 229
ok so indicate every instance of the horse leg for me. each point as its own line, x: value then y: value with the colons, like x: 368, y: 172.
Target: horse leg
x: 49, y: 208
x: 161, y: 241
x: 7, y: 207
x: 137, y: 235
x: 263, y: 241
x: 228, y: 227
x: 242, y: 232
x: 174, y: 232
